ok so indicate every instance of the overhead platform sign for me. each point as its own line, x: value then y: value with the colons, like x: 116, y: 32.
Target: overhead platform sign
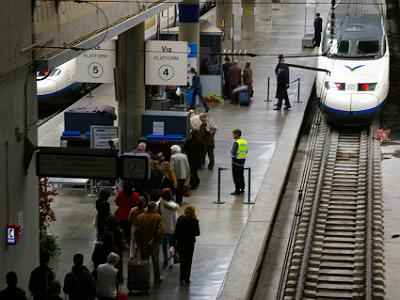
x: 97, y: 65
x: 166, y: 63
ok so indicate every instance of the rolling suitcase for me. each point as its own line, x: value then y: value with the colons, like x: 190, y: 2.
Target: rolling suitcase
x: 244, y: 99
x: 138, y: 275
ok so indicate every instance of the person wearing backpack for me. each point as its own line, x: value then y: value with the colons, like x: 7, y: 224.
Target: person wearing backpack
x: 79, y: 283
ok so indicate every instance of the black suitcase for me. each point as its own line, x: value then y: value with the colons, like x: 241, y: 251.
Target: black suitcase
x: 138, y: 275
x: 244, y: 98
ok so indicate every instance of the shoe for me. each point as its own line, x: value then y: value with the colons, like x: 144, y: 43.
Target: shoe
x: 241, y: 191
x: 194, y: 187
x: 277, y: 108
x: 287, y: 107
x: 210, y: 168
x: 170, y: 267
x: 235, y: 193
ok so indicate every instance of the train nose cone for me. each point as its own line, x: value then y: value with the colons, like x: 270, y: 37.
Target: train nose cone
x: 46, y: 87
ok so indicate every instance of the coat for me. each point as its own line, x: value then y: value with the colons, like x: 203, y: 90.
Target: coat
x: 40, y: 280
x: 235, y: 75
x: 79, y: 284
x: 149, y: 231
x: 318, y: 24
x: 180, y: 164
x: 13, y: 293
x: 186, y: 231
x: 125, y: 204
x: 194, y: 149
x: 283, y: 82
x: 247, y: 76
x: 206, y: 134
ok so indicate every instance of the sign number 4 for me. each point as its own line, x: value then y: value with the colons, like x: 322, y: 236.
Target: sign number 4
x: 166, y: 72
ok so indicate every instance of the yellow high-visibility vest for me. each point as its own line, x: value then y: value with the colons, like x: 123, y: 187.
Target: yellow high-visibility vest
x: 242, y: 149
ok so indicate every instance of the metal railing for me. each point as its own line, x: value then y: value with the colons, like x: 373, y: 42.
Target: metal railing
x: 248, y: 187
x: 298, y: 80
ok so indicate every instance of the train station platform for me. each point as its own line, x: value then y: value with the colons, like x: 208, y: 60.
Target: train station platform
x: 232, y: 234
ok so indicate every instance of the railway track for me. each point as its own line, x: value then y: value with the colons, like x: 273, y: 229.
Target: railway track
x: 337, y: 251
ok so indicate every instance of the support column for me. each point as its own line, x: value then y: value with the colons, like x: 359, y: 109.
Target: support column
x: 224, y: 21
x: 189, y: 27
x: 130, y: 85
x: 248, y: 19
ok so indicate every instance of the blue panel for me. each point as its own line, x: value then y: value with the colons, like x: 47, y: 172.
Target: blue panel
x: 189, y: 13
x: 173, y: 137
x: 193, y: 50
x: 71, y: 133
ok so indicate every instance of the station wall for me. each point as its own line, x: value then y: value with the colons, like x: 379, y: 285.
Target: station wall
x: 18, y: 111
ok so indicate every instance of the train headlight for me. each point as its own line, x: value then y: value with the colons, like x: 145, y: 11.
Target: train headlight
x: 340, y: 86
x: 364, y: 87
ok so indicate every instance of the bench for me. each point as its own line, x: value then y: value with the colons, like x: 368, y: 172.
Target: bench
x: 71, y: 183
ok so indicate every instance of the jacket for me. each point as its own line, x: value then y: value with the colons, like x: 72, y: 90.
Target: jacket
x: 13, y: 293
x: 180, y: 163
x: 79, y: 284
x: 125, y: 204
x: 186, y: 231
x: 149, y: 231
x: 106, y: 284
x: 169, y: 214
x: 206, y: 134
x: 282, y: 82
x: 247, y: 76
x: 101, y: 252
x: 318, y: 24
x: 194, y: 149
x: 235, y: 75
x: 40, y: 280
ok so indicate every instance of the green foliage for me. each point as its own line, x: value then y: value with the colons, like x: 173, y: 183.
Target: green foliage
x: 213, y: 98
x: 49, y: 244
x: 47, y: 192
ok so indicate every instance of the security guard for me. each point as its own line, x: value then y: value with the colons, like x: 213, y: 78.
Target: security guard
x: 239, y: 153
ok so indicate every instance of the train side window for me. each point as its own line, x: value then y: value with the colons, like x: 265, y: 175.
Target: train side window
x: 368, y: 47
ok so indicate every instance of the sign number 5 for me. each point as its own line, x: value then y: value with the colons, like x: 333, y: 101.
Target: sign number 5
x: 95, y: 70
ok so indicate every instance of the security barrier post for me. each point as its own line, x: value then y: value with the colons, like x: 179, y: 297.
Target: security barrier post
x: 248, y: 187
x: 219, y: 187
x: 268, y: 88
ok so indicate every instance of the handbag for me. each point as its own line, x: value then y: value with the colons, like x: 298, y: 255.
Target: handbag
x: 187, y: 192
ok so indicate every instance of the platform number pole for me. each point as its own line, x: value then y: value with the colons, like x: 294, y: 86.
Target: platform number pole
x: 248, y: 188
x: 219, y: 187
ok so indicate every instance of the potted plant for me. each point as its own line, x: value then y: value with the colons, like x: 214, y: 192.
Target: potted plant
x: 47, y: 193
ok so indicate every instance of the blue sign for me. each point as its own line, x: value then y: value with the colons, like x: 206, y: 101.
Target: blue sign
x: 192, y: 50
x: 11, y: 236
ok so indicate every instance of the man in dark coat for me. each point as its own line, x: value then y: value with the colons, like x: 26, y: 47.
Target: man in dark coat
x: 235, y: 79
x: 12, y: 291
x: 207, y: 133
x: 282, y: 78
x: 225, y: 68
x: 317, y: 30
x: 41, y: 278
x: 79, y: 283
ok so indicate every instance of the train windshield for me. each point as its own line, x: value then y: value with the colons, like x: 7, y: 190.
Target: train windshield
x: 353, y: 48
x: 338, y: 48
x: 368, y: 48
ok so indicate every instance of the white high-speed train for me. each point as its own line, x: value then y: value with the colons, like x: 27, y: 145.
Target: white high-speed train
x: 60, y: 86
x: 356, y: 53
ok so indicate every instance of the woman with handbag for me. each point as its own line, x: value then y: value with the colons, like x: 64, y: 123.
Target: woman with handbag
x: 186, y: 230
